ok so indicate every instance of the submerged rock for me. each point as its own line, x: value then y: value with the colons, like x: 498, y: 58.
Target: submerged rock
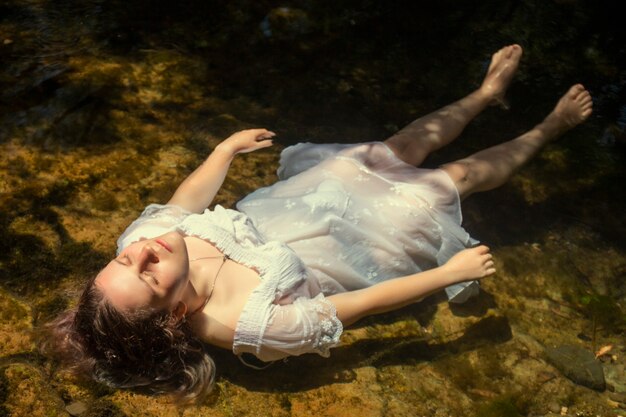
x: 615, y: 375
x: 28, y: 392
x: 579, y: 365
x: 76, y: 408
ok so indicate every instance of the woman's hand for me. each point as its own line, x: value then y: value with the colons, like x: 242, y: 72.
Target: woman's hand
x: 474, y: 263
x: 247, y: 141
x: 197, y: 191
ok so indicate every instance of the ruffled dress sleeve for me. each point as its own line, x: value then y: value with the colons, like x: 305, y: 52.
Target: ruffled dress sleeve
x: 308, y: 325
x: 155, y: 220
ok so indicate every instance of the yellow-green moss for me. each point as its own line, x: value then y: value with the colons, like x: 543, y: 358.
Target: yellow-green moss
x: 28, y: 393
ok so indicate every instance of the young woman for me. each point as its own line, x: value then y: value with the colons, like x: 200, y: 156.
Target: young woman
x: 348, y: 231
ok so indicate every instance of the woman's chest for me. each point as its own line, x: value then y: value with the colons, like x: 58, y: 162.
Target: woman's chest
x: 227, y: 285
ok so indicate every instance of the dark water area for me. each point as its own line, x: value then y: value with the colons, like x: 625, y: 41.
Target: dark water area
x: 105, y: 106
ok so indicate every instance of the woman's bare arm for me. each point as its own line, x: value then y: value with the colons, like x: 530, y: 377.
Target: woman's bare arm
x: 391, y: 295
x: 197, y: 191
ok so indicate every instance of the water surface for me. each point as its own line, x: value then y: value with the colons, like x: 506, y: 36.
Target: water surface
x: 106, y: 106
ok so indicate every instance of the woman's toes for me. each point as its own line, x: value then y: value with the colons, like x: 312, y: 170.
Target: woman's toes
x: 511, y: 49
x: 575, y: 90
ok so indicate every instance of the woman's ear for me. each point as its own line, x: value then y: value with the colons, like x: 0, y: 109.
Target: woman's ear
x: 180, y: 310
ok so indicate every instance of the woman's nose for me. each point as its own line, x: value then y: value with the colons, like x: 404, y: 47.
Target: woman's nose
x: 148, y: 255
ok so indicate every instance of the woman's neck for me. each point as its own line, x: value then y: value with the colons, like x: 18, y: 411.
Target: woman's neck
x: 197, y: 289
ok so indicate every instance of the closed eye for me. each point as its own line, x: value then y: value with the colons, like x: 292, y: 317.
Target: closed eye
x: 123, y: 260
x: 151, y: 276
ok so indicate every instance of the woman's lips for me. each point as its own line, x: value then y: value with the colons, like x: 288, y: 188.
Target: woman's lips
x: 164, y: 244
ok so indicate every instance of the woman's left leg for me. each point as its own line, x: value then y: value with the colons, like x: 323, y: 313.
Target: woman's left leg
x: 492, y: 167
x: 414, y: 142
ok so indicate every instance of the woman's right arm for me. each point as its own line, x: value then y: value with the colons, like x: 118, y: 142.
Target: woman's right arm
x: 393, y: 294
x: 197, y: 191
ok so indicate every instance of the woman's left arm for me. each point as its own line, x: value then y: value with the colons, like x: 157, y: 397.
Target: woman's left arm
x: 351, y: 306
x: 197, y: 191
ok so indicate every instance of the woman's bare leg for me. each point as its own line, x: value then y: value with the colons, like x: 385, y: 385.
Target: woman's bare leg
x: 492, y: 167
x: 414, y: 142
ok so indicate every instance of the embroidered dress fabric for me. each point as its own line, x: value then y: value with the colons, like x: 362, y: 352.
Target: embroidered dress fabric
x: 357, y: 215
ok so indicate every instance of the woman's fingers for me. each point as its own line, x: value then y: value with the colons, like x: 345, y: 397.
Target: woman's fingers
x: 257, y: 131
x: 266, y: 135
x: 264, y: 144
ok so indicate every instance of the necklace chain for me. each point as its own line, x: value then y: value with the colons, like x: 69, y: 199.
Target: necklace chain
x: 209, y: 257
x: 224, y: 259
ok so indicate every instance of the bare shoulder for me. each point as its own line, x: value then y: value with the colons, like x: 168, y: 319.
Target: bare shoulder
x: 212, y: 331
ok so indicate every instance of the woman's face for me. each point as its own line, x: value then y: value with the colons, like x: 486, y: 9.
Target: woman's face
x: 148, y: 273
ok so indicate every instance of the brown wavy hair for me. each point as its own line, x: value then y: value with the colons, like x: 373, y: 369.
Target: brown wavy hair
x: 149, y: 351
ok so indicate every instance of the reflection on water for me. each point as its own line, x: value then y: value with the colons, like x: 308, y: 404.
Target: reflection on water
x: 105, y: 106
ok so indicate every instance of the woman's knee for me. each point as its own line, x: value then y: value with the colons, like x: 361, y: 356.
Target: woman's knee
x: 459, y: 171
x: 465, y: 175
x: 410, y: 149
x: 475, y: 175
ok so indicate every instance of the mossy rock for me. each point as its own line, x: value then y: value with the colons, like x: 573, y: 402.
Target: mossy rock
x: 103, y: 408
x: 27, y: 393
x: 579, y: 365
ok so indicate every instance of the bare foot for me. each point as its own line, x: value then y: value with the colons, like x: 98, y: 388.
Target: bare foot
x: 503, y: 66
x: 572, y: 109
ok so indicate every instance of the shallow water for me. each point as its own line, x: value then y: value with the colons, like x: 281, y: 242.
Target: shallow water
x: 105, y: 106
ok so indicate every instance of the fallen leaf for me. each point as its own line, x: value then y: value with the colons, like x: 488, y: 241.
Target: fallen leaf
x: 544, y: 376
x: 603, y: 350
x: 482, y: 392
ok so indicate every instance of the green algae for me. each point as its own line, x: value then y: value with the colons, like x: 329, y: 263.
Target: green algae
x: 603, y: 310
x: 49, y: 307
x: 4, y: 394
x: 103, y: 408
x: 500, y: 407
x: 29, y: 393
x: 11, y: 310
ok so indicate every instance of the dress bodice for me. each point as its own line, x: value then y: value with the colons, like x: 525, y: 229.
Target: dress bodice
x: 288, y: 296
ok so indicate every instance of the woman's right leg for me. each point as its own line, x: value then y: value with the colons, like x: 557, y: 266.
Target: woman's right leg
x: 414, y: 142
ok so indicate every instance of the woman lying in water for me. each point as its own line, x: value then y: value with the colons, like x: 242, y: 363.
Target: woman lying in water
x: 348, y: 231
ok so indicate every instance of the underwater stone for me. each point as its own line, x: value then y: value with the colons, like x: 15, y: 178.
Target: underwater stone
x: 76, y: 408
x: 619, y: 397
x: 615, y: 376
x: 579, y: 365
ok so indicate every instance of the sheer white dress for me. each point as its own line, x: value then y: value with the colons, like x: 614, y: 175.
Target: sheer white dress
x: 342, y: 217
x: 357, y: 215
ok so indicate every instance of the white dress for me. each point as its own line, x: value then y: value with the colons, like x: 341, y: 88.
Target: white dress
x: 357, y: 215
x: 342, y: 217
